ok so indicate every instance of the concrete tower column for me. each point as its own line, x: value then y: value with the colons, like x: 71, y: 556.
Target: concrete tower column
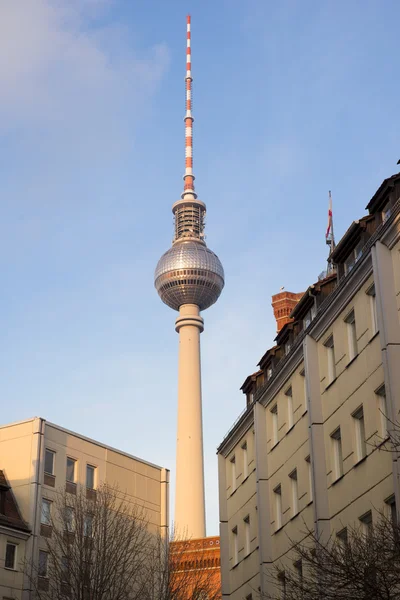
x: 189, y: 500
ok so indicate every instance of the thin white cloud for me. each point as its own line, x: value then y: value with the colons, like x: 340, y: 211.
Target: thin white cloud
x: 58, y: 70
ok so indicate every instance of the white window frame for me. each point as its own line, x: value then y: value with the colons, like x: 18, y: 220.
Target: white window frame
x: 295, y: 492
x: 303, y: 375
x: 330, y: 352
x: 274, y: 425
x: 380, y: 394
x: 233, y: 474
x: 235, y: 546
x: 350, y: 321
x: 47, y: 450
x: 310, y: 480
x: 278, y: 506
x: 290, y: 411
x: 246, y: 522
x: 371, y: 293
x: 45, y: 517
x: 337, y: 454
x: 245, y: 461
x: 366, y: 523
x: 15, y: 562
x: 359, y: 432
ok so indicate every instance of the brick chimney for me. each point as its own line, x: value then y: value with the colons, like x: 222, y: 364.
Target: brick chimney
x: 283, y: 304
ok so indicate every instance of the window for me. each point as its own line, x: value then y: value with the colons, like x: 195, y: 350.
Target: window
x: 330, y: 350
x: 235, y: 545
x: 386, y: 212
x: 353, y: 258
x: 392, y: 510
x: 282, y: 581
x: 69, y: 519
x: 382, y: 411
x: 366, y: 523
x: 303, y: 374
x: 90, y: 477
x: 11, y: 556
x: 274, y: 421
x: 372, y: 303
x: 233, y: 474
x: 342, y: 536
x: 295, y: 492
x: 269, y: 374
x: 351, y: 335
x: 310, y: 486
x: 278, y: 507
x: 337, y: 456
x: 64, y: 569
x: 246, y: 535
x: 288, y: 346
x: 43, y: 563
x: 71, y: 464
x: 88, y: 526
x: 359, y: 430
x: 245, y: 461
x: 49, y: 457
x: 309, y: 317
x: 2, y: 502
x: 298, y: 569
x: 45, y: 518
x: 289, y: 396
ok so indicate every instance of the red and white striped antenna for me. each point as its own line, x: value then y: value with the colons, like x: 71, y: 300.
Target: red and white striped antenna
x: 188, y: 177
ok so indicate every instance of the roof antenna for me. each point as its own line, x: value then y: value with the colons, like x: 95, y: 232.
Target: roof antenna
x: 329, y: 236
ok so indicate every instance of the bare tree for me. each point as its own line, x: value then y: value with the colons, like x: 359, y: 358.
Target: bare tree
x: 99, y: 546
x: 361, y: 565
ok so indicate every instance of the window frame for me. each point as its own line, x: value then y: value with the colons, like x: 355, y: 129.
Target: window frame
x: 310, y: 478
x: 94, y: 468
x: 44, y: 520
x: 337, y: 451
x: 233, y: 474
x: 52, y: 452
x: 359, y: 432
x: 245, y: 459
x: 350, y: 321
x: 275, y: 427
x: 247, y: 538
x: 278, y: 507
x: 75, y: 462
x: 384, y: 418
x: 371, y: 292
x: 235, y: 544
x: 46, y: 564
x: 330, y: 353
x: 14, y: 564
x: 294, y: 485
x: 290, y: 410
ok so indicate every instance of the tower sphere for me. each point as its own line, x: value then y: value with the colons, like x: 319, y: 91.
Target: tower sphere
x: 189, y: 273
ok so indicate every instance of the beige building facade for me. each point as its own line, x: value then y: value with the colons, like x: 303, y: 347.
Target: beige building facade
x: 307, y: 450
x: 39, y: 458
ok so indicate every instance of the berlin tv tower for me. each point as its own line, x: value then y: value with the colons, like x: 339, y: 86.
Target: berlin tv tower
x: 189, y: 278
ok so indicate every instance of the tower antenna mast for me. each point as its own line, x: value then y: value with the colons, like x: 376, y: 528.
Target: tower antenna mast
x: 330, y: 236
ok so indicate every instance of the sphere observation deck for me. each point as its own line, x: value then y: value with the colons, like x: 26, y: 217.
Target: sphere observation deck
x: 189, y: 273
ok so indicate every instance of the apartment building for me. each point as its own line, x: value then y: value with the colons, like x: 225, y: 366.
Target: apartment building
x: 14, y: 533
x: 307, y: 450
x: 39, y: 458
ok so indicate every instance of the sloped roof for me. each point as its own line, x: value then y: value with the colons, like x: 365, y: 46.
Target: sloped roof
x: 12, y: 517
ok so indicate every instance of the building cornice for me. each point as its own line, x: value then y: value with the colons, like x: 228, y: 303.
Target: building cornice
x: 242, y: 424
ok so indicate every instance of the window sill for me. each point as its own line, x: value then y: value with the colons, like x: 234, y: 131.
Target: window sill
x: 235, y: 565
x: 11, y: 569
x: 351, y: 361
x: 310, y: 502
x: 232, y: 493
x: 338, y: 479
x: 247, y: 555
x: 294, y: 516
x: 290, y: 429
x: 275, y: 445
x: 371, y: 339
x: 245, y: 478
x: 278, y: 530
x: 304, y: 412
x: 363, y: 459
x: 330, y: 384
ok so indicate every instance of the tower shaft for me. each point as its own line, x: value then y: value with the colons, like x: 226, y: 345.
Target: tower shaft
x: 189, y: 499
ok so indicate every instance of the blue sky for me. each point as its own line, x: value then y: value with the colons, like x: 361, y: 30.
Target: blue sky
x: 291, y: 99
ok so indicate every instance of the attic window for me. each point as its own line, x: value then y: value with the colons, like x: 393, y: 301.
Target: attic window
x: 353, y: 257
x: 386, y: 212
x: 288, y: 346
x: 309, y: 317
x: 269, y: 373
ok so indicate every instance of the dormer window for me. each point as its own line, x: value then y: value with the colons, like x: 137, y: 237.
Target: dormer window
x: 269, y: 373
x: 288, y: 346
x: 386, y: 212
x: 309, y: 317
x: 353, y: 258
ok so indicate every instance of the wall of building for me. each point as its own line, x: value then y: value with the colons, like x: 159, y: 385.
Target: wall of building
x: 11, y: 581
x: 310, y: 404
